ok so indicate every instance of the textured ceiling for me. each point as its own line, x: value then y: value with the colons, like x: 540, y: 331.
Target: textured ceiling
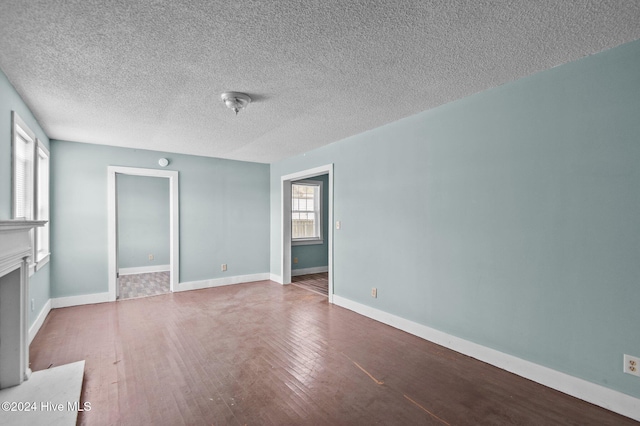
x: 149, y: 74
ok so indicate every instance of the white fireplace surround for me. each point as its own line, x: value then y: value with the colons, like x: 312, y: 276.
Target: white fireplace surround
x: 15, y: 251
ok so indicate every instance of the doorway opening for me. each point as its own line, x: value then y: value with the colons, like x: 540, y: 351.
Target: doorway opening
x: 310, y: 234
x: 142, y: 223
x: 153, y: 277
x: 287, y: 182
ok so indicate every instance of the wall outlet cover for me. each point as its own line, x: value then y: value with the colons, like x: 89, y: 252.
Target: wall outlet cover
x: 223, y: 267
x: 631, y: 365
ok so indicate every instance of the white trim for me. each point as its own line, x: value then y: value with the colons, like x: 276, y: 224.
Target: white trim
x: 307, y: 241
x: 84, y: 299
x: 42, y: 262
x: 144, y: 269
x: 317, y: 211
x: 285, y: 221
x: 15, y: 249
x: 41, y: 254
x: 35, y: 327
x: 90, y: 299
x: 285, y: 231
x: 595, y: 394
x: 18, y: 126
x: 305, y: 271
x: 174, y: 221
x: 275, y: 278
x: 309, y: 173
x: 16, y: 243
x: 19, y: 224
x: 218, y: 282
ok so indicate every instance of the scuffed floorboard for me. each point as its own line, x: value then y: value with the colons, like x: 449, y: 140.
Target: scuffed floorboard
x: 267, y: 354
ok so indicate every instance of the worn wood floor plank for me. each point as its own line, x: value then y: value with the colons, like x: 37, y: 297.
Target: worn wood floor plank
x: 262, y: 353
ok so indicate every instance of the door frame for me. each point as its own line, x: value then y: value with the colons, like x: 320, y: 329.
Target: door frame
x: 174, y: 228
x: 285, y: 213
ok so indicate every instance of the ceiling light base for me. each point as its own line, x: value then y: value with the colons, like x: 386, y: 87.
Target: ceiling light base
x: 235, y: 100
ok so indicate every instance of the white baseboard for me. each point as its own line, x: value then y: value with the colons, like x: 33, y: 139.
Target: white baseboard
x: 35, y: 327
x: 144, y: 269
x: 90, y: 299
x: 85, y: 299
x: 275, y: 277
x: 595, y: 394
x: 217, y: 282
x: 305, y: 271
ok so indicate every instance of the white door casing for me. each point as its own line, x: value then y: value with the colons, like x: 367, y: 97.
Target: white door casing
x: 174, y: 222
x: 285, y: 229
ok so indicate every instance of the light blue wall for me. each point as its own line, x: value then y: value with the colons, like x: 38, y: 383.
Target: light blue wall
x: 10, y: 100
x: 315, y: 255
x: 224, y: 215
x: 143, y: 221
x: 509, y: 218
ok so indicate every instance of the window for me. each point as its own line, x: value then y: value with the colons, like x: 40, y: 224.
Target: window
x: 306, y: 212
x: 23, y: 170
x: 31, y: 185
x: 42, y: 203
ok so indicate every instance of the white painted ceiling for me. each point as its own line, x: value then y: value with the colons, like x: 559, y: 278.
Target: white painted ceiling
x: 148, y: 74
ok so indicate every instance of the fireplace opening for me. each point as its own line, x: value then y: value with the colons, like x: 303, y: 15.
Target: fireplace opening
x: 10, y: 329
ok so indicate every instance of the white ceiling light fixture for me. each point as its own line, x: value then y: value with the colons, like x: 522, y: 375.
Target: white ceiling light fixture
x: 235, y: 100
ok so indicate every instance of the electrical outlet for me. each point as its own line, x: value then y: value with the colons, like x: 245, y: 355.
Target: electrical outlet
x: 223, y: 267
x: 295, y: 260
x: 374, y: 292
x: 631, y: 365
x: 338, y: 225
x: 150, y: 257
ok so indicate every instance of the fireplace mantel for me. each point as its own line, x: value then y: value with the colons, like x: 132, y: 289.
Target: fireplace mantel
x: 15, y: 250
x: 15, y: 241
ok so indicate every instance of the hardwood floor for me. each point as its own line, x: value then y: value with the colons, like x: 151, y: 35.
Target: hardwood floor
x: 262, y: 353
x: 318, y: 283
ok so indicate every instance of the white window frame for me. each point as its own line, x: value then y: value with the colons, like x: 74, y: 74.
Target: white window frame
x: 32, y: 197
x: 19, y: 130
x: 318, y: 210
x: 42, y: 203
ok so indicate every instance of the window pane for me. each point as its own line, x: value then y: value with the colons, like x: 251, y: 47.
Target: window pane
x: 304, y: 217
x: 42, y: 202
x: 23, y: 175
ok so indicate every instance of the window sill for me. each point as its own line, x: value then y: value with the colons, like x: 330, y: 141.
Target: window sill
x: 309, y: 242
x: 40, y: 263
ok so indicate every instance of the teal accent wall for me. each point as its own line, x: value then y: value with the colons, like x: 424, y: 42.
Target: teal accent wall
x: 509, y: 218
x: 224, y: 215
x: 143, y: 221
x: 10, y: 100
x: 315, y: 255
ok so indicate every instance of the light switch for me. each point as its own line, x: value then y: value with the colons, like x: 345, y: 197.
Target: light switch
x: 338, y: 225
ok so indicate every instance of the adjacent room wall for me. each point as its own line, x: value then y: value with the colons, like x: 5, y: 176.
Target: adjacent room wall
x: 509, y: 218
x: 315, y: 255
x: 224, y: 215
x: 10, y: 100
x: 143, y: 221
